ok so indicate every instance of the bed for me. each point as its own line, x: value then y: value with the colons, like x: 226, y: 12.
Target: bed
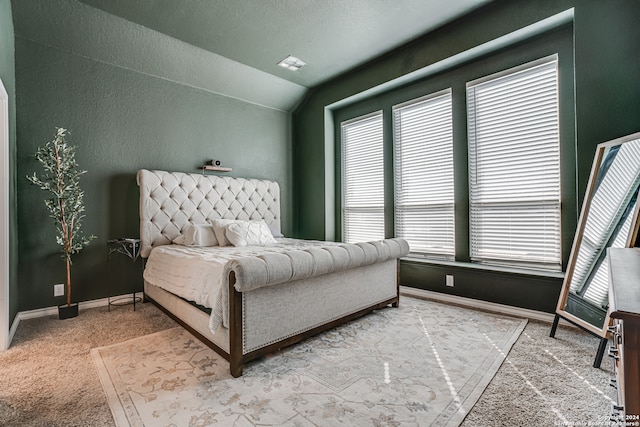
x: 262, y: 297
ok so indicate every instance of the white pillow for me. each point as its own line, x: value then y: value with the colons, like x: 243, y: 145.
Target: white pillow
x: 249, y: 233
x: 219, y: 228
x: 274, y: 231
x: 197, y: 235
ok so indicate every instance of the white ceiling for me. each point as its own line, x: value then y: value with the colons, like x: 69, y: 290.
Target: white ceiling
x: 331, y: 36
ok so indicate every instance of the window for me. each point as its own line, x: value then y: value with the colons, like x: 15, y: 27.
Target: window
x: 514, y: 167
x: 424, y: 198
x: 363, y: 179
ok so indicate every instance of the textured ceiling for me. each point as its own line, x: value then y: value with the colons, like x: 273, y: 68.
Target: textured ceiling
x: 331, y: 36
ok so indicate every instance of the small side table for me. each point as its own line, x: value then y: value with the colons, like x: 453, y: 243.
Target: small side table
x: 131, y: 249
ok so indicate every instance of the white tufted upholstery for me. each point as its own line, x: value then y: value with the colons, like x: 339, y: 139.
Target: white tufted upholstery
x: 169, y: 201
x: 274, y: 268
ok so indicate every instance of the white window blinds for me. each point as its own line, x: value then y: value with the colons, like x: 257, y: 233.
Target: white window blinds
x: 609, y: 221
x: 424, y: 197
x: 514, y: 167
x: 363, y: 179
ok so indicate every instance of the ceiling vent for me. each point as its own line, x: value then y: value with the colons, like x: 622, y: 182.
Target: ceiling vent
x: 292, y: 63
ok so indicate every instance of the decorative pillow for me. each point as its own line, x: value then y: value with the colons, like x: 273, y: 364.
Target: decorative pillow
x: 274, y: 231
x: 197, y: 235
x: 249, y: 233
x: 219, y: 228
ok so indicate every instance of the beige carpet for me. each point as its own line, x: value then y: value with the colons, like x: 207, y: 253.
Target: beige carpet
x: 424, y: 364
x: 48, y: 377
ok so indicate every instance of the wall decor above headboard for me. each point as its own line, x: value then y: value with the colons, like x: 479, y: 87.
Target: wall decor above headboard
x: 215, y: 166
x: 172, y: 200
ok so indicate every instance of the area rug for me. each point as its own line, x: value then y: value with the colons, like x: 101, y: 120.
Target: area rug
x: 422, y: 364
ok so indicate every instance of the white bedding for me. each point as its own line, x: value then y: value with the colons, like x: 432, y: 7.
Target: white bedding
x: 197, y: 273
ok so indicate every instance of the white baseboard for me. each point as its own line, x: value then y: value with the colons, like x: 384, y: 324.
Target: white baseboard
x: 481, y: 305
x: 50, y: 311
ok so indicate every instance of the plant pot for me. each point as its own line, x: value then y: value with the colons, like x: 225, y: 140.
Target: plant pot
x: 67, y: 311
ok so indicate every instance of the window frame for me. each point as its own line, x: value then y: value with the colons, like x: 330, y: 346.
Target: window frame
x: 559, y: 41
x: 487, y: 195
x: 449, y: 253
x: 355, y: 120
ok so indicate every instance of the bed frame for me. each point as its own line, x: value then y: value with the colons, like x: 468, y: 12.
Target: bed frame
x: 332, y: 287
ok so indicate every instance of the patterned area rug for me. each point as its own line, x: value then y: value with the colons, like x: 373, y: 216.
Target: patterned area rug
x: 423, y: 364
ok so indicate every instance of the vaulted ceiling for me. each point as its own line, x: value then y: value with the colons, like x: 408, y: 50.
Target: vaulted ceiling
x: 331, y: 36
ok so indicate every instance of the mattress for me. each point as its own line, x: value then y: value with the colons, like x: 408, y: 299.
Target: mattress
x: 198, y: 273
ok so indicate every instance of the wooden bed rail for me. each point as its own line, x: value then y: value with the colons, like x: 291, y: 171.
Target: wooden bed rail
x: 236, y: 358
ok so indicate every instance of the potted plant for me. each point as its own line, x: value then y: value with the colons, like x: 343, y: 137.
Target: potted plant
x: 61, y: 179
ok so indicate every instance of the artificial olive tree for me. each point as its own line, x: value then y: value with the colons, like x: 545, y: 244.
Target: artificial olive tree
x: 61, y: 179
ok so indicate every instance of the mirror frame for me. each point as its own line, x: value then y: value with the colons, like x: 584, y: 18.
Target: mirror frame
x: 586, y: 204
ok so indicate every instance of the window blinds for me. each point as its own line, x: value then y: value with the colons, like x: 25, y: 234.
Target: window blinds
x: 608, y: 223
x: 424, y: 197
x: 514, y: 167
x: 597, y: 289
x: 363, y: 179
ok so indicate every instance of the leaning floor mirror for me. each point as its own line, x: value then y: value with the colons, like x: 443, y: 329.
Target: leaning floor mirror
x: 609, y: 218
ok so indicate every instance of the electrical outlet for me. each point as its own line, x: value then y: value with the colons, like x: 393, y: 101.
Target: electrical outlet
x: 58, y: 290
x: 449, y: 280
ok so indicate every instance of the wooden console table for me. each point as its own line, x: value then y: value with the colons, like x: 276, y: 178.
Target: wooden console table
x: 624, y: 306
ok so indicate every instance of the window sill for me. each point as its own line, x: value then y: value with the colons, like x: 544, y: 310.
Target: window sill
x: 488, y: 268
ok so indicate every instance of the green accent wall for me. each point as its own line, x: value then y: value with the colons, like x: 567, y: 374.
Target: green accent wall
x: 606, y: 40
x: 132, y: 98
x: 7, y: 74
x: 123, y: 114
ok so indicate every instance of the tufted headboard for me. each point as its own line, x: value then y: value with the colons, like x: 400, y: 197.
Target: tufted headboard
x: 171, y: 200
